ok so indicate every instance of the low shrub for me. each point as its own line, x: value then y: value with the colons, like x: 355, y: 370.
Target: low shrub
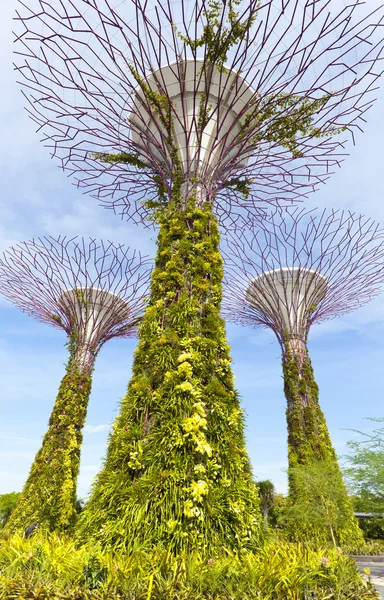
x: 53, y: 568
x: 367, y: 547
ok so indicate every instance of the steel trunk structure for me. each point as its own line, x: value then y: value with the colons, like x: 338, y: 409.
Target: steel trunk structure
x: 296, y: 269
x: 94, y: 291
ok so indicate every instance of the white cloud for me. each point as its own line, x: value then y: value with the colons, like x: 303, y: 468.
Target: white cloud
x: 16, y: 438
x: 275, y: 472
x: 267, y: 468
x: 90, y: 468
x: 17, y: 454
x: 95, y: 428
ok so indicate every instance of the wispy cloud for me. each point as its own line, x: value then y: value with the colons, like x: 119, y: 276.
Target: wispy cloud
x: 16, y: 438
x: 17, y: 454
x: 95, y: 428
x: 90, y: 468
x: 272, y: 467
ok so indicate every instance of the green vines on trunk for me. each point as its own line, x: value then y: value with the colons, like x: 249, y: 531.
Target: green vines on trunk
x: 315, y: 482
x: 49, y: 495
x: 177, y: 471
x: 308, y: 435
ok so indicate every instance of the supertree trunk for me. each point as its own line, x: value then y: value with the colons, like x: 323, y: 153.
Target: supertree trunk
x: 49, y: 494
x: 310, y: 447
x: 177, y: 471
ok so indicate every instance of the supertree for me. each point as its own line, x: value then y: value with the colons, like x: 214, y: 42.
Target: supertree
x: 169, y: 111
x: 94, y: 291
x: 295, y: 269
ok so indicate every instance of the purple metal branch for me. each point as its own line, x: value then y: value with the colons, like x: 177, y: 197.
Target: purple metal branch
x: 94, y: 290
x: 300, y: 267
x: 80, y: 61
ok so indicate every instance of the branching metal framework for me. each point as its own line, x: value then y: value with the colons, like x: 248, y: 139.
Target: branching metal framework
x: 300, y: 267
x: 91, y: 289
x: 85, y: 65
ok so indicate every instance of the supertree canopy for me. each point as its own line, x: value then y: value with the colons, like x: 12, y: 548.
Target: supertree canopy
x: 298, y: 268
x: 94, y: 291
x: 242, y: 102
x: 173, y: 111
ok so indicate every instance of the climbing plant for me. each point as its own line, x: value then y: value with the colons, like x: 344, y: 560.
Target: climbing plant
x: 320, y: 506
x: 49, y: 494
x: 177, y: 469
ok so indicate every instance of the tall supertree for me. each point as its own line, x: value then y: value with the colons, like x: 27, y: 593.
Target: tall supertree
x: 190, y: 113
x: 94, y: 291
x: 295, y: 269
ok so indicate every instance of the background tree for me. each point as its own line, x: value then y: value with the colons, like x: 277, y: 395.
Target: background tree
x: 318, y: 504
x: 276, y: 515
x: 7, y: 505
x: 267, y: 497
x: 364, y: 472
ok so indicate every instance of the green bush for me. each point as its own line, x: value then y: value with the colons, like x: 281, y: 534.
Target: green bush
x: 49, y: 567
x: 320, y: 510
x: 8, y: 504
x: 368, y: 547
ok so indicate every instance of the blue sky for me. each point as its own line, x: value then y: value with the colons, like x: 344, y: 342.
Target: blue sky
x: 37, y: 199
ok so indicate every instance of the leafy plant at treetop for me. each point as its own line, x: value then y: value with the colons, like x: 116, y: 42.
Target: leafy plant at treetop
x: 216, y: 39
x: 280, y: 116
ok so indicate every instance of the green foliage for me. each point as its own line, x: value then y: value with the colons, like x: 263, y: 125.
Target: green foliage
x: 217, y: 38
x: 177, y: 470
x: 49, y: 494
x: 320, y: 507
x: 282, y: 117
x: 160, y: 104
x: 81, y: 296
x: 239, y: 185
x: 127, y: 158
x: 56, y: 318
x: 7, y: 505
x: 363, y: 547
x: 276, y: 514
x: 365, y: 475
x: 308, y: 435
x: 267, y: 497
x: 372, y: 527
x: 52, y: 567
x: 365, y: 478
